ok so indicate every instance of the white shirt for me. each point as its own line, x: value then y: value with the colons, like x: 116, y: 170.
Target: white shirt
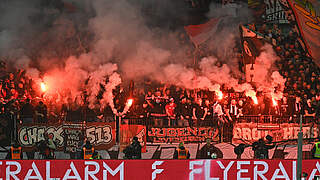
x: 217, y: 109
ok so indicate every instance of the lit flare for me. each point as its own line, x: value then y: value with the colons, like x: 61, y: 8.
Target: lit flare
x: 274, y: 102
x: 43, y: 87
x: 255, y: 99
x: 129, y: 102
x: 219, y: 94
x: 253, y: 96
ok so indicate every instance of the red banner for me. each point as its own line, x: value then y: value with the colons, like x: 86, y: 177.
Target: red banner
x: 250, y: 132
x: 308, y: 20
x: 177, y: 135
x: 202, y: 32
x: 130, y: 131
x: 156, y: 169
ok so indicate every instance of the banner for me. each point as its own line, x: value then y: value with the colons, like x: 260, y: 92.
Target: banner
x: 157, y: 169
x: 251, y: 132
x: 202, y: 32
x: 130, y: 131
x: 307, y: 18
x: 275, y: 13
x: 73, y: 137
x: 177, y: 135
x: 101, y: 135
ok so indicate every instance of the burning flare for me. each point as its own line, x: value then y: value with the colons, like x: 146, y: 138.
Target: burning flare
x: 255, y: 100
x: 129, y: 102
x: 253, y: 96
x: 274, y: 102
x: 219, y: 94
x: 43, y: 87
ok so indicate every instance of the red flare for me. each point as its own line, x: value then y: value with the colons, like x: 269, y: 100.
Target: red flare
x: 219, y: 94
x: 43, y: 87
x: 255, y: 100
x: 274, y: 102
x: 129, y: 102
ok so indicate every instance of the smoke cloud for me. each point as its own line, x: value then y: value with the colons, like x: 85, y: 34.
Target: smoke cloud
x: 106, y: 43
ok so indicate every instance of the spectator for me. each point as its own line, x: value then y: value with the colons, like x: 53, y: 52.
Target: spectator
x: 41, y: 113
x: 219, y: 118
x: 298, y: 107
x: 15, y: 152
x: 133, y: 151
x: 47, y: 147
x: 234, y: 110
x: 261, y: 149
x: 315, y: 151
x: 209, y: 151
x: 158, y: 109
x: 284, y: 107
x: 240, y: 108
x: 208, y: 121
x: 185, y: 113
x: 87, y: 150
x: 199, y: 112
x: 181, y: 152
x: 170, y: 111
x: 27, y: 112
x: 309, y: 110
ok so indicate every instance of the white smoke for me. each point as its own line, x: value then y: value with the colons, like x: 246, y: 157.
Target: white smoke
x: 124, y: 48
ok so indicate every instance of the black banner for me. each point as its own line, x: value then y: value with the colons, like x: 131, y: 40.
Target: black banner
x: 73, y: 138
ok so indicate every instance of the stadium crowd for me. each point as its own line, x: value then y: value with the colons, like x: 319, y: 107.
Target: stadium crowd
x: 167, y: 105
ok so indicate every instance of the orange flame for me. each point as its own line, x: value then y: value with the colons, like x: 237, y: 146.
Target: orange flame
x: 43, y: 87
x: 274, y: 102
x: 219, y: 94
x: 255, y: 100
x: 129, y: 102
x: 253, y: 96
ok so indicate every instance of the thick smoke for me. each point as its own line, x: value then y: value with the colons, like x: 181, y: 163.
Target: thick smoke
x: 106, y: 43
x: 267, y: 78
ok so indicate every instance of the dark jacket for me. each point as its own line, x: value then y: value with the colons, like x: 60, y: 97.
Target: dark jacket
x: 261, y: 150
x: 45, y: 149
x: 207, y: 150
x: 133, y: 151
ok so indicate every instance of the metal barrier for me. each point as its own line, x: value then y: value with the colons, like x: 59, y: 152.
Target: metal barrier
x: 213, y: 121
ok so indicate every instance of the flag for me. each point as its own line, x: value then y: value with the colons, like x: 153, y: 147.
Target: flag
x: 252, y: 43
x: 307, y: 18
x: 202, y: 32
x: 130, y: 131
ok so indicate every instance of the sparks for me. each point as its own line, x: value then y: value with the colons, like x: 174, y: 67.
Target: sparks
x: 43, y: 86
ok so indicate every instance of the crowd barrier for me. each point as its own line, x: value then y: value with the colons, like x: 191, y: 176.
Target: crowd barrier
x: 211, y: 121
x: 157, y: 169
